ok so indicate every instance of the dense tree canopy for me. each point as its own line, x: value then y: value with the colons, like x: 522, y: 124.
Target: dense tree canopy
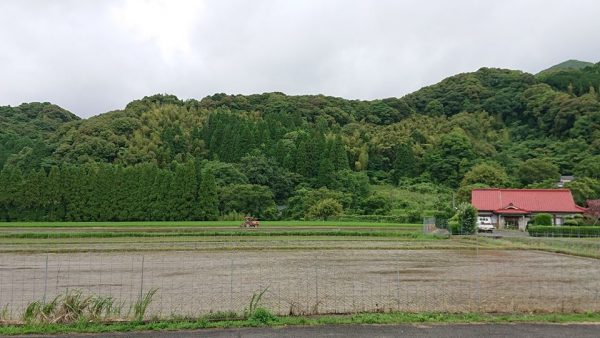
x: 273, y: 155
x: 488, y: 174
x: 24, y: 130
x: 538, y: 170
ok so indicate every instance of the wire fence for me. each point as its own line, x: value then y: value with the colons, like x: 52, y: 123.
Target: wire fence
x: 194, y: 283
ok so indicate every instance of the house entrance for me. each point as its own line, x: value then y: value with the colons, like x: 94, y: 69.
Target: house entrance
x: 511, y: 222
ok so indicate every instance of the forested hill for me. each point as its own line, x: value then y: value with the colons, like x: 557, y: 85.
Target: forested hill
x: 569, y: 64
x: 576, y: 81
x: 492, y: 127
x: 25, y: 129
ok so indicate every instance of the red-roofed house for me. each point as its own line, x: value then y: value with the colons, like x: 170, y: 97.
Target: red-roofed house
x: 515, y: 207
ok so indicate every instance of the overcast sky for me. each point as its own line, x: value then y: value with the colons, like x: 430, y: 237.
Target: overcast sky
x: 94, y: 56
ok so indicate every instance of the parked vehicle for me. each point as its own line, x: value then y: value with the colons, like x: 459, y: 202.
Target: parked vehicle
x: 484, y: 224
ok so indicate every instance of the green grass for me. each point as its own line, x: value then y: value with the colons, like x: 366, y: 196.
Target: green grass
x: 201, y: 224
x: 363, y: 318
x: 251, y: 233
x: 173, y: 230
x: 583, y: 247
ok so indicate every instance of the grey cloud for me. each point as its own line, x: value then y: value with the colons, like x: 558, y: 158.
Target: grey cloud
x: 76, y: 54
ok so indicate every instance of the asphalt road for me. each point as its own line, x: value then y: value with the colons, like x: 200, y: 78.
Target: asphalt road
x: 355, y: 331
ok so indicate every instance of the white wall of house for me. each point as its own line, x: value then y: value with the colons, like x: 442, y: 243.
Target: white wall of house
x: 499, y: 221
x: 559, y: 219
x: 523, y: 223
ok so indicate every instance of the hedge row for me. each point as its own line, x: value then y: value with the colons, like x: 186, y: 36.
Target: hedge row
x: 563, y: 231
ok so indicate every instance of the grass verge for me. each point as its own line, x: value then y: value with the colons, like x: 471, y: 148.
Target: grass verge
x: 581, y: 247
x: 364, y: 318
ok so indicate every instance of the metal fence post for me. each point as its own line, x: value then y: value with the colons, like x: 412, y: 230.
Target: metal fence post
x: 316, y: 288
x: 335, y: 300
x: 231, y: 286
x: 46, y: 280
x: 142, y: 280
x: 398, y: 288
x: 478, y: 272
x: 353, y: 295
x: 100, y: 276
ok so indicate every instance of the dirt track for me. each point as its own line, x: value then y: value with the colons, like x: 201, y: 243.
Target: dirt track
x: 310, y: 281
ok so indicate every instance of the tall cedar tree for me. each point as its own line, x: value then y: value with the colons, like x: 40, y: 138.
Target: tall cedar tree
x: 326, y: 173
x: 208, y: 200
x: 338, y: 155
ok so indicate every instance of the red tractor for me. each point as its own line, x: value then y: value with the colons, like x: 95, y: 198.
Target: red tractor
x: 250, y: 222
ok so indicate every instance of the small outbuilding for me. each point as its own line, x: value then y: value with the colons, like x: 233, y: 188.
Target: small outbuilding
x: 513, y: 208
x: 564, y: 179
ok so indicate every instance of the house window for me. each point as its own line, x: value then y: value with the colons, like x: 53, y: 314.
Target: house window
x: 559, y: 221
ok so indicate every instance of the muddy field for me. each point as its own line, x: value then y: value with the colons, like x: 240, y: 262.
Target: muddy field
x: 312, y: 281
x: 232, y: 243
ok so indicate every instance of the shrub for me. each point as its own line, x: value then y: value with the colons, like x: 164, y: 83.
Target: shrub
x: 325, y: 209
x: 553, y: 231
x: 415, y: 216
x: 454, y: 227
x: 542, y: 219
x: 571, y: 222
x: 467, y: 218
x: 576, y: 220
x: 262, y: 316
x: 376, y: 205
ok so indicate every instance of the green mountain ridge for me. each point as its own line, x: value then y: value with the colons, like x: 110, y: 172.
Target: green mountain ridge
x: 491, y: 127
x: 24, y: 129
x: 569, y: 64
x: 137, y: 133
x: 573, y: 81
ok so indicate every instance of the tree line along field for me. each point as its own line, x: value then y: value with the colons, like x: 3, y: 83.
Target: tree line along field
x: 197, y: 191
